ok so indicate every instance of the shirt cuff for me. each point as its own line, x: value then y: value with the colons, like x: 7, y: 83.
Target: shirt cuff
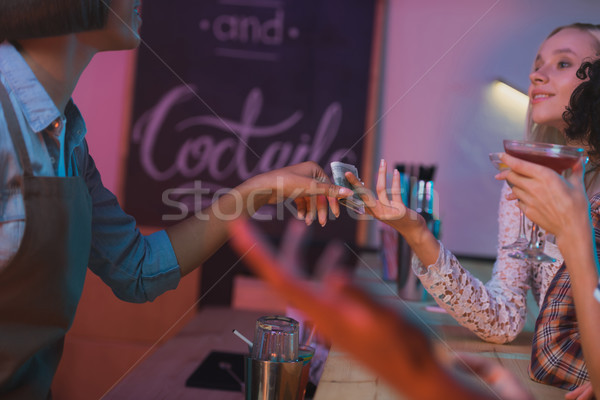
x: 419, y: 269
x: 167, y: 273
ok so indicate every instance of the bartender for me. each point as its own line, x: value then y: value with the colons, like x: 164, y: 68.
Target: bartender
x: 57, y: 218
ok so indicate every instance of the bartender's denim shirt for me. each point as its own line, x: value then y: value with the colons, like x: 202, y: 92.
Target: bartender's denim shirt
x: 137, y: 268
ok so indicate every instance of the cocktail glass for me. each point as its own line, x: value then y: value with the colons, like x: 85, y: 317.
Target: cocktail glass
x: 557, y: 157
x: 522, y: 240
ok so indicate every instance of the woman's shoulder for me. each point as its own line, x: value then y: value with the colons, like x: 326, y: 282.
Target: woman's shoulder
x: 595, y: 203
x: 595, y: 209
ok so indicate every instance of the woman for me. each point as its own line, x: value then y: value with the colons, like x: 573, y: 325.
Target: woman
x: 56, y: 217
x: 496, y: 311
x: 561, y: 207
x: 567, y: 215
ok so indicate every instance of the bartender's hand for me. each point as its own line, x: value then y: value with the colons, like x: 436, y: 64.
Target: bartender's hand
x: 392, y: 210
x: 197, y: 238
x: 559, y: 205
x: 306, y: 183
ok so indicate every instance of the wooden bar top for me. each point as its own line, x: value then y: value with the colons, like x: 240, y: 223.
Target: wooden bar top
x: 163, y: 374
x: 345, y: 378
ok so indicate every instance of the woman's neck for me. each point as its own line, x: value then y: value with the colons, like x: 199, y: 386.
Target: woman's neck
x: 57, y: 63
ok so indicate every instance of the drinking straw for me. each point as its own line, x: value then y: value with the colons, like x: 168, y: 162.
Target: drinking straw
x: 312, y: 333
x: 244, y: 338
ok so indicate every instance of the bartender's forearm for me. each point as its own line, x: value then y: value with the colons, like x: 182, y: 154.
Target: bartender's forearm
x: 195, y: 239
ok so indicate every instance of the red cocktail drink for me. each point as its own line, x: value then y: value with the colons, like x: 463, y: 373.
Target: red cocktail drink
x: 554, y: 156
x: 557, y: 162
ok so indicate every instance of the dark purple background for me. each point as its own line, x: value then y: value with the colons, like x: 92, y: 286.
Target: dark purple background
x: 311, y: 56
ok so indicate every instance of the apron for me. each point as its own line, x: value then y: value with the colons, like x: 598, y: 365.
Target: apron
x: 42, y: 284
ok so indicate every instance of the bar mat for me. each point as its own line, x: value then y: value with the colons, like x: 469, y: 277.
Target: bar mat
x: 216, y: 370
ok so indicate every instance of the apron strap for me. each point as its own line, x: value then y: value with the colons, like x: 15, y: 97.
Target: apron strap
x: 15, y: 131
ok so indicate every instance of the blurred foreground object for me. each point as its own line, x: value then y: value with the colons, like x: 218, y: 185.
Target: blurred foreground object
x: 376, y: 335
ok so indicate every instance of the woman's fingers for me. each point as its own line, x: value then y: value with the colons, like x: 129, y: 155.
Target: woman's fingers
x: 577, y: 173
x: 396, y: 189
x: 522, y: 195
x: 521, y: 167
x: 365, y: 194
x: 381, y: 186
x: 515, y: 179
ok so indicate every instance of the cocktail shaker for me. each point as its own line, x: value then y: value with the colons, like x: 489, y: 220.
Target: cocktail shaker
x: 273, y: 380
x: 273, y: 371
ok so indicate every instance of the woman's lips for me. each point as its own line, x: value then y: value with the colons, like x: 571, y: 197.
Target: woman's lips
x: 539, y: 97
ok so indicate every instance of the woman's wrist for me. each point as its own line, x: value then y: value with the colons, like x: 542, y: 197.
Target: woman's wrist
x: 576, y: 233
x: 420, y: 239
x: 412, y: 226
x: 576, y: 244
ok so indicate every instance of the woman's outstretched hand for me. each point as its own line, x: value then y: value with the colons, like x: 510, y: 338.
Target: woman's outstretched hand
x: 387, y: 206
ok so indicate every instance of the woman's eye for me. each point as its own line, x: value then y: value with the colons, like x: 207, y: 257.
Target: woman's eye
x: 564, y: 64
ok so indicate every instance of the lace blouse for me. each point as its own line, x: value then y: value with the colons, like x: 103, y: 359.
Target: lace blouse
x: 494, y: 311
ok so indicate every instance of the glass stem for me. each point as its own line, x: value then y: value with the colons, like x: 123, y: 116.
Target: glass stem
x: 534, y: 243
x: 522, y: 235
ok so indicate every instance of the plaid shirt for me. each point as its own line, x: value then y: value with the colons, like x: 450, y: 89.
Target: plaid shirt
x: 556, y: 355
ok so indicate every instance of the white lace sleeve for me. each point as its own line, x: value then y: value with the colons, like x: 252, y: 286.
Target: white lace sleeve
x: 495, y: 311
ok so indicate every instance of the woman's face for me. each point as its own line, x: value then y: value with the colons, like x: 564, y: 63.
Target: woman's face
x: 122, y: 29
x: 553, y: 78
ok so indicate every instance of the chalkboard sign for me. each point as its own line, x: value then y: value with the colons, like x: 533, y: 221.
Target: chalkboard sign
x: 227, y: 89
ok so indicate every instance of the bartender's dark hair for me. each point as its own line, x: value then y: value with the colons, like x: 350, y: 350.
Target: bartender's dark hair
x: 583, y: 113
x: 26, y: 19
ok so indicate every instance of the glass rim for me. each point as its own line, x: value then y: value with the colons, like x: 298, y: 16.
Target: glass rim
x: 544, y: 147
x: 278, y: 323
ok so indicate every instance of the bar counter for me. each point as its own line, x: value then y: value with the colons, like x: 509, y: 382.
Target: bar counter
x: 345, y: 378
x: 163, y: 374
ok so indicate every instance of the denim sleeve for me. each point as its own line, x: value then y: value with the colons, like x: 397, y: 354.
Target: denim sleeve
x: 137, y: 268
